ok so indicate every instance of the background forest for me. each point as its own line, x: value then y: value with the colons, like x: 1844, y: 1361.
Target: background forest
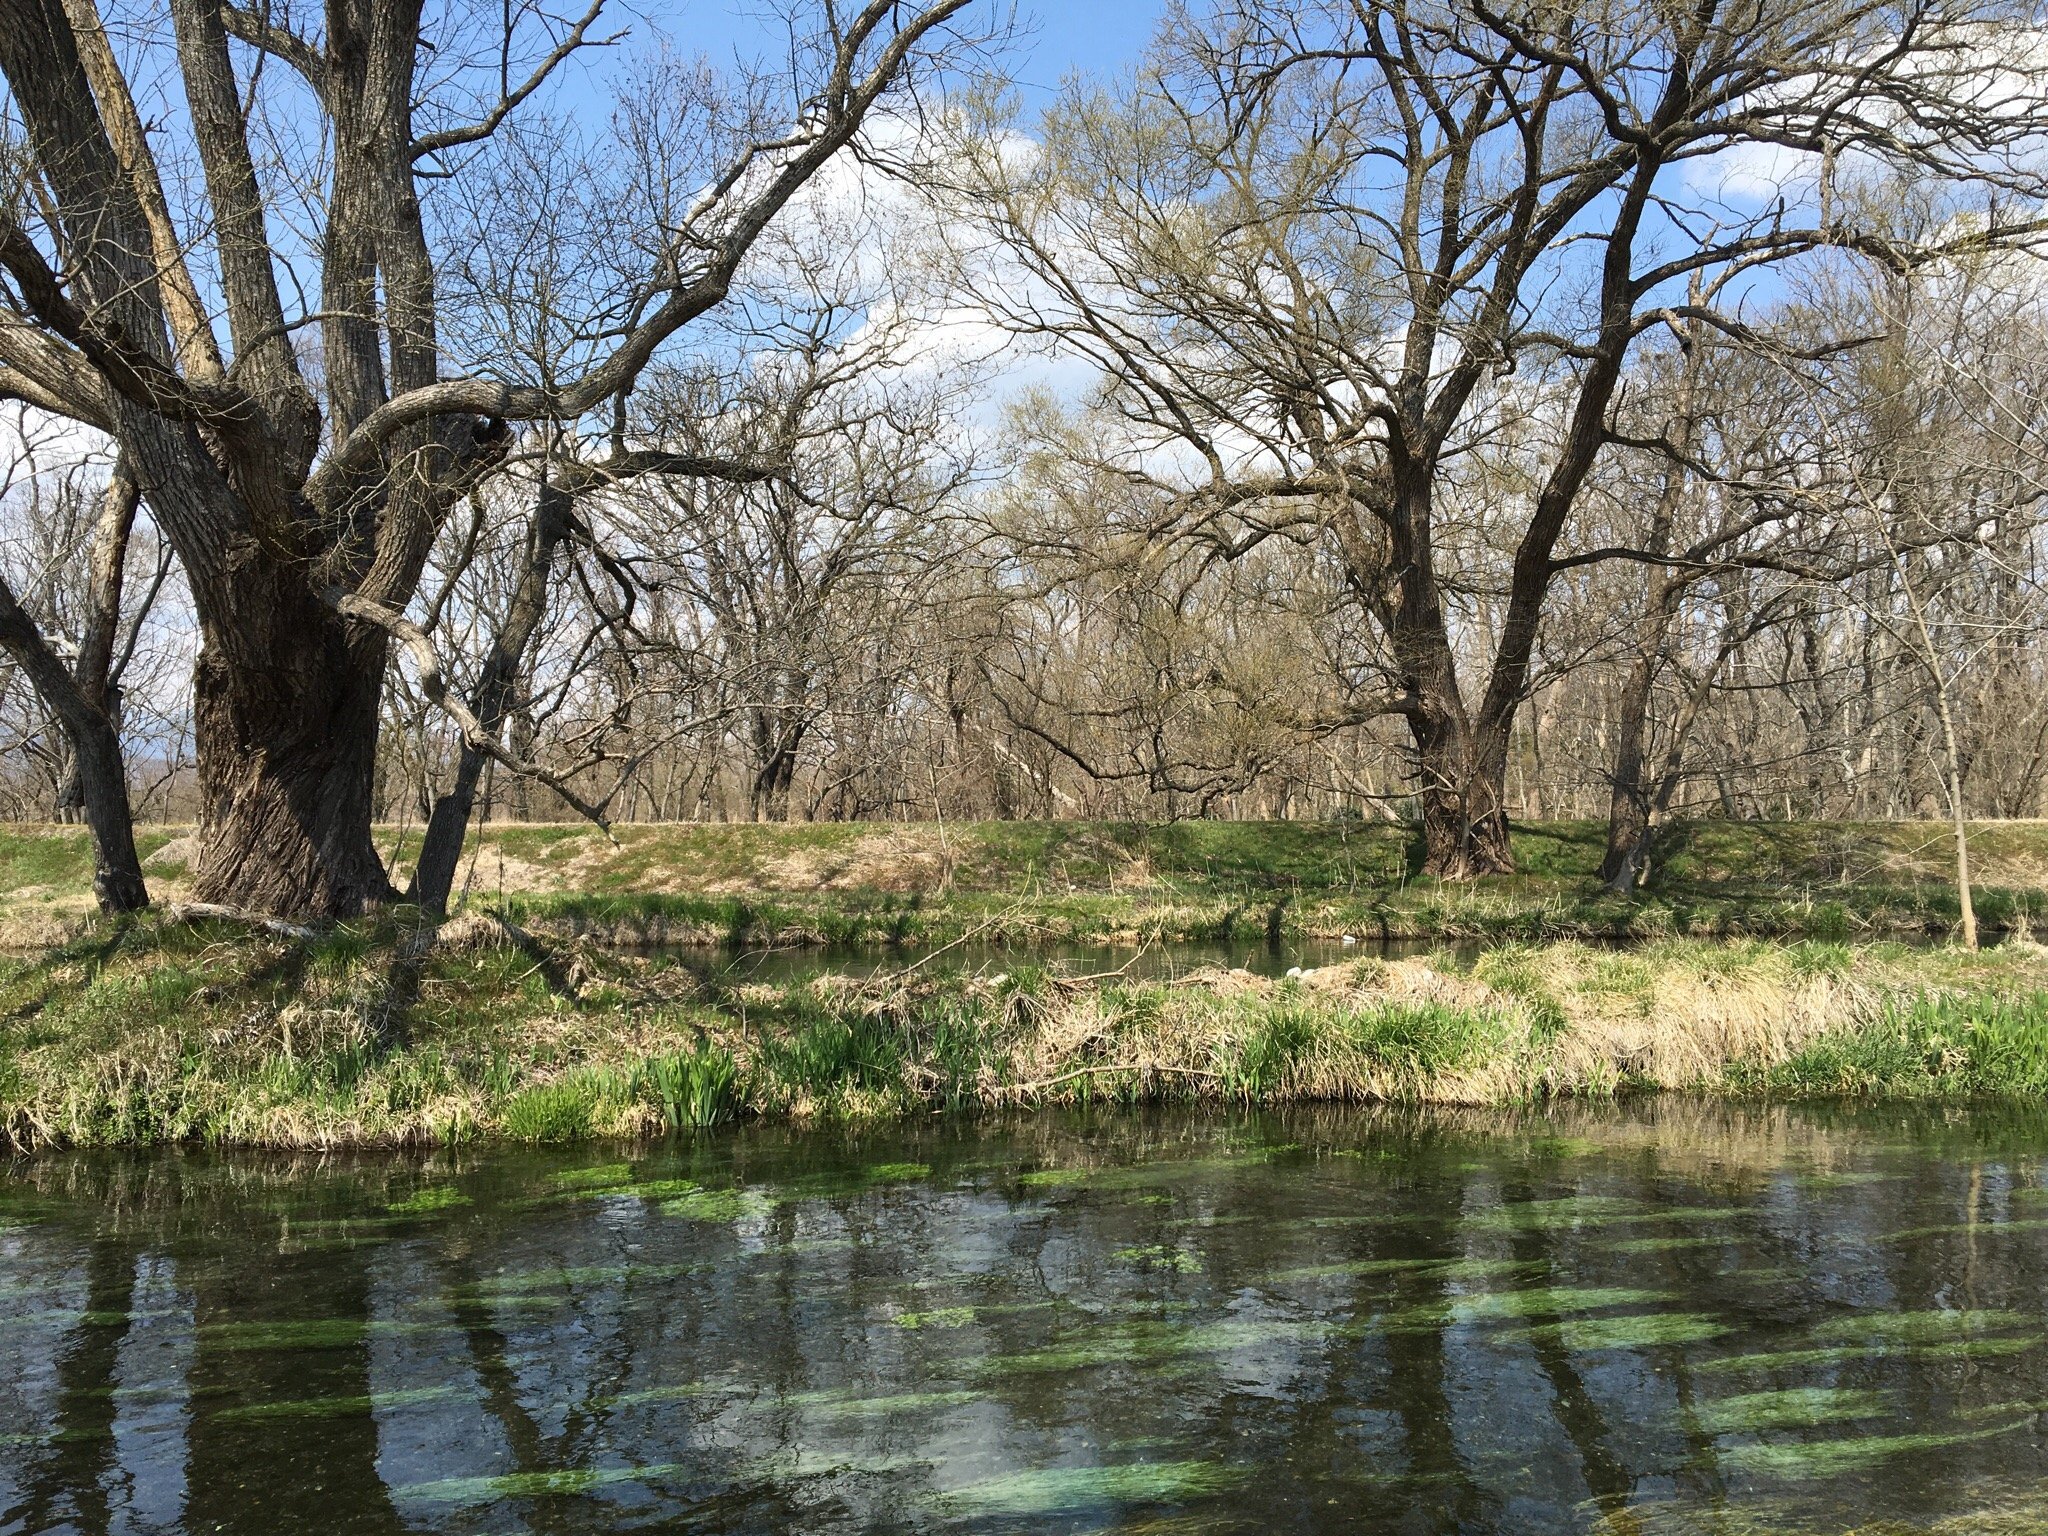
x: 1351, y: 411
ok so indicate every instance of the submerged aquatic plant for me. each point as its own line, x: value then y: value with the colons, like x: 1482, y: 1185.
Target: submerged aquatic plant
x: 1793, y: 1408
x: 1647, y: 1330
x: 937, y: 1317
x: 719, y: 1205
x: 530, y: 1485
x: 424, y: 1202
x: 1159, y: 1256
x: 1053, y: 1490
x: 1831, y: 1458
x: 343, y: 1407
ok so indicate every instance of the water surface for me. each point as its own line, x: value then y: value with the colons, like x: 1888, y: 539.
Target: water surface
x: 1677, y: 1318
x: 1159, y: 960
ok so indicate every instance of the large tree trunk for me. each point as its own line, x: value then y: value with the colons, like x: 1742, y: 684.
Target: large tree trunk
x: 1461, y: 768
x: 776, y: 741
x: 1464, y: 805
x: 768, y: 794
x: 285, y: 718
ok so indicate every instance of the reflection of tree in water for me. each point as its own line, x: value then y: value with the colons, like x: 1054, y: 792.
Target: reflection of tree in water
x: 288, y: 1472
x: 1066, y: 1342
x: 1608, y: 1479
x: 65, y: 1478
x: 1439, y: 1484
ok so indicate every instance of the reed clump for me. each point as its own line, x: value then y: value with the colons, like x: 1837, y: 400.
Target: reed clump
x: 392, y: 1032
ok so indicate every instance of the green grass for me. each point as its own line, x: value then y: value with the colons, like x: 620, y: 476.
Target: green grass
x: 1023, y: 882
x: 155, y: 1031
x: 1931, y: 1045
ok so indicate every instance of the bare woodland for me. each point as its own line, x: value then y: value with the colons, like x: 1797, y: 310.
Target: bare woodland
x: 1443, y: 414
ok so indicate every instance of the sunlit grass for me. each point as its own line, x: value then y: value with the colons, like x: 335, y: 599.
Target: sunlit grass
x: 379, y: 1033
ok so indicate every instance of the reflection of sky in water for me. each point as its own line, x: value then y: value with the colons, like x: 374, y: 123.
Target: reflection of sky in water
x: 1687, y: 1318
x: 145, y: 1481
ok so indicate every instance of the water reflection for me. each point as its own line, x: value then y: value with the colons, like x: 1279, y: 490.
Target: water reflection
x: 1682, y: 1318
x: 1151, y: 961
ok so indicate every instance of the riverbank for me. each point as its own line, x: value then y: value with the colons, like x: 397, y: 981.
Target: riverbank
x: 387, y: 1032
x: 1028, y: 883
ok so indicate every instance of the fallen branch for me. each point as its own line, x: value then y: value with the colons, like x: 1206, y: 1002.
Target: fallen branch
x: 1024, y: 1089
x: 980, y: 928
x: 207, y: 911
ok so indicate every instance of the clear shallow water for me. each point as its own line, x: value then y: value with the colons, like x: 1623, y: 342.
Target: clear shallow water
x: 1678, y: 1318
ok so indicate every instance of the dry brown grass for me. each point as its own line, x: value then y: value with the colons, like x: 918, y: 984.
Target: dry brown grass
x: 390, y: 1034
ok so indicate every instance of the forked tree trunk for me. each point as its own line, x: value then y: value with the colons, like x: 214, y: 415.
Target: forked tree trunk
x: 285, y: 722
x: 448, y: 826
x: 1464, y: 801
x: 96, y: 754
x: 776, y: 743
x: 1628, y: 797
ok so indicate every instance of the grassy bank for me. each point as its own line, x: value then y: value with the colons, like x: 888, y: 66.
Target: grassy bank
x: 1025, y: 882
x: 386, y: 1033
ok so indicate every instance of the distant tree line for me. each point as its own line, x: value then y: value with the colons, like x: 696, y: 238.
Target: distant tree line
x: 1434, y: 414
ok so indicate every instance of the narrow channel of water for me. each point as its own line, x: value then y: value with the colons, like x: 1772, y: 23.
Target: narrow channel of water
x: 1109, y: 962
x: 1682, y: 1317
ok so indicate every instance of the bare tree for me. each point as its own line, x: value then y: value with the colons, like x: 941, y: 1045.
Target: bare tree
x: 303, y: 502
x: 1318, y: 251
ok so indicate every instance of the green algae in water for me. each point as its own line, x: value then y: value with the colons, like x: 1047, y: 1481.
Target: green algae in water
x: 1838, y: 1354
x: 528, y: 1282
x: 1931, y: 1327
x: 1537, y: 1301
x: 1447, y: 1269
x: 1794, y: 1408
x: 1587, y: 1211
x: 852, y: 1406
x: 1149, y: 1343
x: 1563, y: 1211
x: 535, y: 1485
x: 345, y: 1407
x: 1833, y: 1458
x: 315, y: 1333
x: 1646, y: 1330
x: 1968, y: 1228
x: 425, y: 1202
x: 599, y: 1177
x: 681, y: 1392
x: 719, y: 1205
x: 1060, y: 1178
x: 1157, y: 1257
x: 644, y: 1189
x: 1561, y: 1148
x: 895, y: 1173
x: 1666, y: 1244
x: 1054, y: 1490
x: 938, y: 1317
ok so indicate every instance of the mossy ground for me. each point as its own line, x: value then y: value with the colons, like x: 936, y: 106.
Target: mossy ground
x: 1023, y: 882
x: 388, y: 1031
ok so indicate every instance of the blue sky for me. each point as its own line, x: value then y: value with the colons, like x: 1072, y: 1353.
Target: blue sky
x: 1082, y: 34
x: 1061, y: 35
